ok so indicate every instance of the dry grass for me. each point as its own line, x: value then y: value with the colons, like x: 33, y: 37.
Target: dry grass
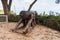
x: 38, y: 33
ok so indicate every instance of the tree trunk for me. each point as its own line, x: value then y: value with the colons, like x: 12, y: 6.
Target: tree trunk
x: 6, y: 6
x: 9, y: 5
x: 4, y: 3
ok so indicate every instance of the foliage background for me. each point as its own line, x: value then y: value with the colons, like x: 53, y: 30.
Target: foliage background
x: 51, y: 20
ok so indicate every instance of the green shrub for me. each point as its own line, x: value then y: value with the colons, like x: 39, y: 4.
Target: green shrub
x: 12, y: 18
x: 49, y: 21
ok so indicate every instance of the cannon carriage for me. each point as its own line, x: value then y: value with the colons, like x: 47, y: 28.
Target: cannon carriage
x: 27, y: 19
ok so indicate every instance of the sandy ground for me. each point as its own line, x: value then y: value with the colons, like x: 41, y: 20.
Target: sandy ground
x: 38, y: 33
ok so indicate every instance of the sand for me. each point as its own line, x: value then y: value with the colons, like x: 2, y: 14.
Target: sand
x: 38, y: 33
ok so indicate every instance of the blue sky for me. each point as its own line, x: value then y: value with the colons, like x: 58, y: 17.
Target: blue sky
x: 40, y: 6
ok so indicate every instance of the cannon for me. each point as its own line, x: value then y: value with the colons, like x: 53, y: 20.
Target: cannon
x: 28, y: 20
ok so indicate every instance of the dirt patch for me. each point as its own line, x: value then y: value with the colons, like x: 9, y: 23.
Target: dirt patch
x: 38, y: 33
